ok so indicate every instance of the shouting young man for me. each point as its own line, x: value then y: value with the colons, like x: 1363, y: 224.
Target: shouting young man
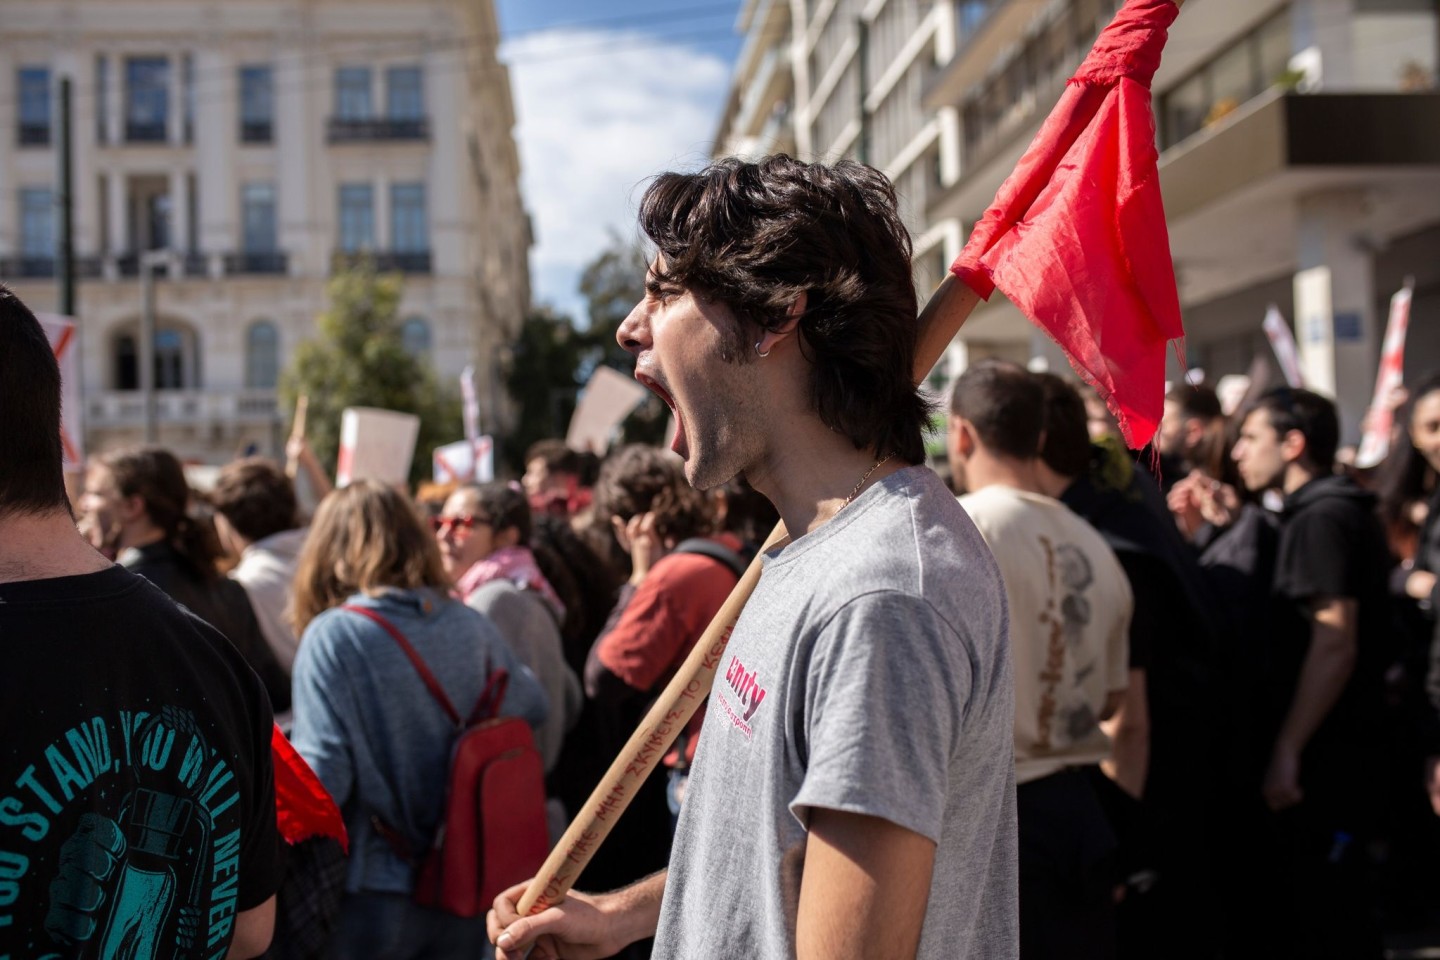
x: 856, y: 792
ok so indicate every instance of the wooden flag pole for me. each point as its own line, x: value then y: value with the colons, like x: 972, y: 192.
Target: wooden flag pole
x: 297, y: 432
x: 947, y: 310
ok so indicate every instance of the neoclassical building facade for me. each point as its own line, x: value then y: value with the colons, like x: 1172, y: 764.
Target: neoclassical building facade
x: 244, y: 150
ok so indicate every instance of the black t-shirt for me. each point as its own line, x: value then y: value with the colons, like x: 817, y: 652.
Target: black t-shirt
x: 137, y: 796
x: 1331, y: 546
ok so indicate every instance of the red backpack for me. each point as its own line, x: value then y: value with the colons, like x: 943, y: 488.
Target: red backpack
x: 493, y: 832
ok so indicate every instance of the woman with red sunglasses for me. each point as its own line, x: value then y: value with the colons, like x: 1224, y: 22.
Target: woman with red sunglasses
x: 484, y: 536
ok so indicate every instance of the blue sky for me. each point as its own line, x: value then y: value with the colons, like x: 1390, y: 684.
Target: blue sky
x: 607, y: 95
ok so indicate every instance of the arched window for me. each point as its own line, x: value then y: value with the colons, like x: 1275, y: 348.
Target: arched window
x: 415, y: 335
x: 262, y: 356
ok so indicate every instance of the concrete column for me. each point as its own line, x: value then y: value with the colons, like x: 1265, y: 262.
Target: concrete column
x: 9, y: 108
x: 81, y: 67
x: 380, y: 185
x: 445, y: 77
x: 1323, y: 36
x: 216, y: 135
x: 117, y: 196
x: 115, y: 99
x: 1335, y: 304
x: 175, y: 132
x: 180, y: 238
x: 304, y: 198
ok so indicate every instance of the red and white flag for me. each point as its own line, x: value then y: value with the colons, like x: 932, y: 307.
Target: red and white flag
x: 64, y: 337
x: 1378, y: 423
x: 1282, y: 341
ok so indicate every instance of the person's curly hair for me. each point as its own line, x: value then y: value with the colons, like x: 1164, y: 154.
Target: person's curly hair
x: 640, y: 479
x: 755, y: 236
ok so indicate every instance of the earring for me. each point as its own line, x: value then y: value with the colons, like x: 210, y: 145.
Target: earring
x: 758, y: 353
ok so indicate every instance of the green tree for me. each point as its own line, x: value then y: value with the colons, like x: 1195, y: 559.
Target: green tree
x: 612, y: 284
x: 359, y: 360
x: 543, y: 379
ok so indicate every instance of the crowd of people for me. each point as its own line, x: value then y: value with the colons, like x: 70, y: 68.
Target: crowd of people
x: 1202, y: 678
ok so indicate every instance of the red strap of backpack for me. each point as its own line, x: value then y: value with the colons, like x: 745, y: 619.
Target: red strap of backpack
x: 488, y: 704
x: 431, y: 683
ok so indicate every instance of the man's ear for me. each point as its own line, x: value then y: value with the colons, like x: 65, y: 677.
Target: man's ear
x: 769, y: 338
x: 1292, y: 446
x: 960, y: 440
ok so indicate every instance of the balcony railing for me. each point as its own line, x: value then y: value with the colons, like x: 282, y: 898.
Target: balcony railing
x: 195, y: 264
x: 41, y: 268
x: 145, y: 132
x: 126, y: 408
x: 343, y: 130
x: 33, y: 134
x: 385, y: 261
x: 272, y: 263
x: 257, y: 131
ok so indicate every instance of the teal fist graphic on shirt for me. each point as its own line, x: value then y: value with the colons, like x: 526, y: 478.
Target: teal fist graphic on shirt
x: 128, y: 878
x: 149, y: 816
x: 88, y: 862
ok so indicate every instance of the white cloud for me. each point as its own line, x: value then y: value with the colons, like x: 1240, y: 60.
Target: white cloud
x: 592, y: 127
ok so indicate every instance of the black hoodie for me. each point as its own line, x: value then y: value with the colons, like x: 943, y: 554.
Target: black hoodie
x: 1331, y: 545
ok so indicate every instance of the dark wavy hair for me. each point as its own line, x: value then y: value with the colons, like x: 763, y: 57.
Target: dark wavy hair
x: 641, y: 479
x: 156, y: 477
x: 755, y: 236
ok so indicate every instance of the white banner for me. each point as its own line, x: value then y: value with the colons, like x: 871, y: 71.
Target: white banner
x: 64, y: 341
x: 464, y: 461
x: 1378, y: 423
x: 376, y: 445
x: 1282, y: 341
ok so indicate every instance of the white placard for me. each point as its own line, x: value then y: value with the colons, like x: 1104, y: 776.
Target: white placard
x: 1315, y: 329
x: 606, y: 402
x: 376, y: 445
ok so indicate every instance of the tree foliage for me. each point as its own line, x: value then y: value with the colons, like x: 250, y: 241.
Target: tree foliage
x: 359, y: 360
x: 553, y: 359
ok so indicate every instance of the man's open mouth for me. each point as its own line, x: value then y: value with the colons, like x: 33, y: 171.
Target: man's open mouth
x: 677, y: 444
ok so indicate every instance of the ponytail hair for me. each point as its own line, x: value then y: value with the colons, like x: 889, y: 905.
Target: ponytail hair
x: 156, y: 477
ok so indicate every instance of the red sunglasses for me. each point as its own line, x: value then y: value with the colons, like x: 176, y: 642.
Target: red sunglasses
x: 442, y: 525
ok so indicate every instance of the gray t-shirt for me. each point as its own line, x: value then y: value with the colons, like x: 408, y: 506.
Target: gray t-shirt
x: 869, y: 673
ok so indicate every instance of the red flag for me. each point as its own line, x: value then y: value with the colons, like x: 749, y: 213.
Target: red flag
x: 1076, y: 235
x: 303, y: 808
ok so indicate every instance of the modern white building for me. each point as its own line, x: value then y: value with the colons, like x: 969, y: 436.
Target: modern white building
x: 840, y: 78
x: 1300, y: 157
x: 261, y: 145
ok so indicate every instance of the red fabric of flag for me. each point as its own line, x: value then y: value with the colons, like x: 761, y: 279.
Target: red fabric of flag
x: 303, y: 807
x: 1076, y: 235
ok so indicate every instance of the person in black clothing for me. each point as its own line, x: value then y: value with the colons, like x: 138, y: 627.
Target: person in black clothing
x: 138, y: 816
x: 138, y: 500
x: 1168, y: 839
x: 1322, y: 683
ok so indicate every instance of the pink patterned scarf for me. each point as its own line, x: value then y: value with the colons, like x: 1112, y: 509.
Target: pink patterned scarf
x: 515, y: 564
